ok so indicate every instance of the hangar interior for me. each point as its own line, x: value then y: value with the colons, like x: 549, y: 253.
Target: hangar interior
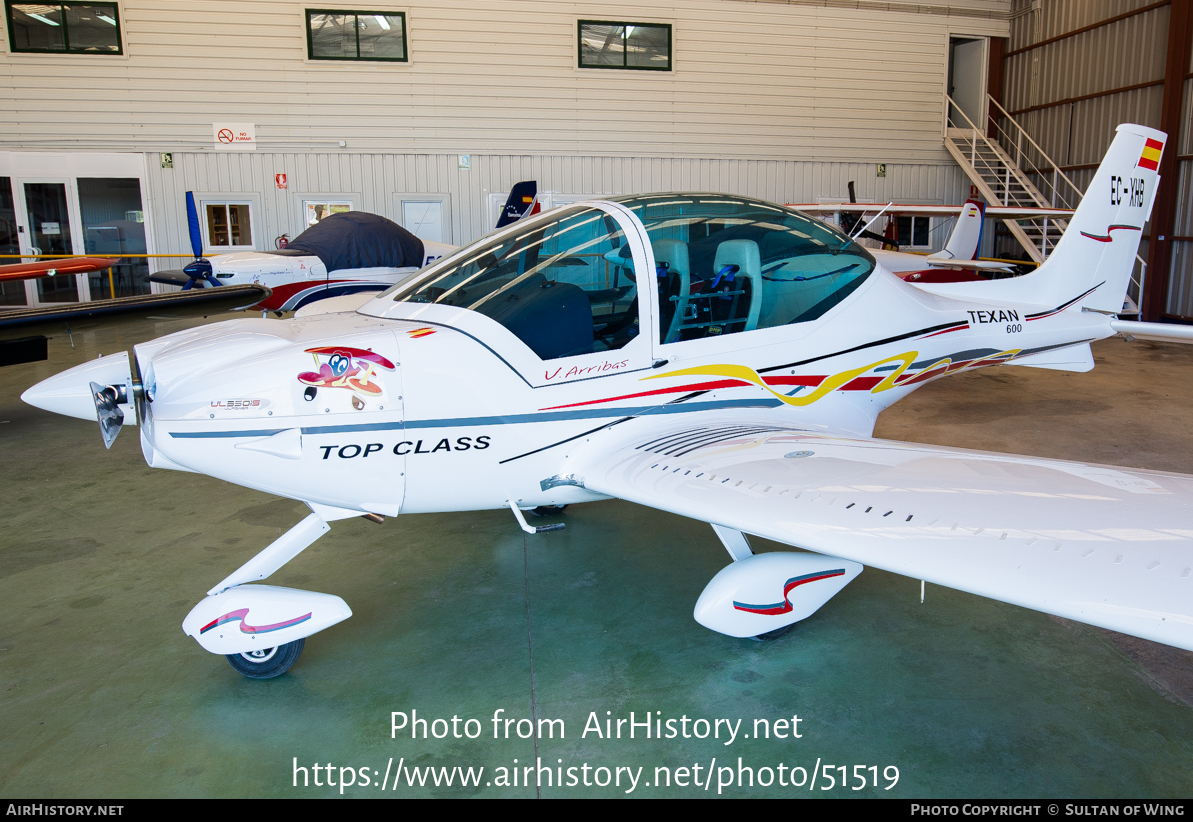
x: 428, y: 113
x: 727, y: 107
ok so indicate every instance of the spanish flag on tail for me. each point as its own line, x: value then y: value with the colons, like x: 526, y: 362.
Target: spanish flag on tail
x: 1150, y: 159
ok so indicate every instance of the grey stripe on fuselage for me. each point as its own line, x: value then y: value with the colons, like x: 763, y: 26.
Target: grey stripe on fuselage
x: 512, y: 419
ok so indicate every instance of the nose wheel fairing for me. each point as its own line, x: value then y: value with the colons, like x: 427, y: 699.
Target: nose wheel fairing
x: 261, y: 629
x: 251, y: 619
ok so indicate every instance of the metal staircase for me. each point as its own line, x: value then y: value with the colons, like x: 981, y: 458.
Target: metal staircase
x: 1005, y: 181
x: 1029, y: 179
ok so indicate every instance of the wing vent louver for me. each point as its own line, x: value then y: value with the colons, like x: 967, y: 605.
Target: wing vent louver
x: 685, y: 442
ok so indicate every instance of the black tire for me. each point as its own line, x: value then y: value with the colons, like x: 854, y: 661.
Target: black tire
x: 775, y: 634
x: 548, y: 510
x: 272, y: 661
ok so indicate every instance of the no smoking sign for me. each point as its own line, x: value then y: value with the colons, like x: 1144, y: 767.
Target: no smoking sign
x: 234, y: 136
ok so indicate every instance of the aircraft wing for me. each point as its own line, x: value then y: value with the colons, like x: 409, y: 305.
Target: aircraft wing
x: 926, y: 210
x: 1104, y: 545
x: 49, y: 268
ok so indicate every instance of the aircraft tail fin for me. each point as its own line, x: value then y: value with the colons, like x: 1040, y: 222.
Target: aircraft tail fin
x: 522, y: 202
x: 966, y: 238
x: 1095, y: 256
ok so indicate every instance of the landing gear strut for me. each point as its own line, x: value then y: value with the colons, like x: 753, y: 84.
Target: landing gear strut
x: 261, y: 629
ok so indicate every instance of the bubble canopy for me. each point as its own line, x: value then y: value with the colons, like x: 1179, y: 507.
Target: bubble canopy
x: 565, y: 282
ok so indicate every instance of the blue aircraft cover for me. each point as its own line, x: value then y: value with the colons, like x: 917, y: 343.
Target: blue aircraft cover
x: 357, y: 239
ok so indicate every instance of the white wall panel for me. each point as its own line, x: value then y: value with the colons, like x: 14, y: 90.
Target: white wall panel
x: 795, y: 82
x: 376, y: 177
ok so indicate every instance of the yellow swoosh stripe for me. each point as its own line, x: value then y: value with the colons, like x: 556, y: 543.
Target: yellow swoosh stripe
x: 830, y: 384
x: 746, y: 374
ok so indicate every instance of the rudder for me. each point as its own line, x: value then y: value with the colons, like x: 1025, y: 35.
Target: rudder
x: 1097, y: 251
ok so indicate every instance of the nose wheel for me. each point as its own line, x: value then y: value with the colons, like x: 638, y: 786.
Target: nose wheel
x: 266, y: 663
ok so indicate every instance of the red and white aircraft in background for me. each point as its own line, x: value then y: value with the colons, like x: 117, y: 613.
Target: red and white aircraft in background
x: 14, y: 272
x: 344, y: 254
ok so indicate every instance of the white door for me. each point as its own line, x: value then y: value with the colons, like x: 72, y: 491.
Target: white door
x: 967, y: 81
x: 48, y: 212
x: 424, y: 219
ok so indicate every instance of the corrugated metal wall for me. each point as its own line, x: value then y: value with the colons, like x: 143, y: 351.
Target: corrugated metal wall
x: 374, y: 178
x: 1125, y: 53
x: 1076, y: 133
x: 1180, y: 280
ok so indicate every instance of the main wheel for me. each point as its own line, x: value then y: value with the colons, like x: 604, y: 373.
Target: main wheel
x: 775, y: 634
x: 267, y: 662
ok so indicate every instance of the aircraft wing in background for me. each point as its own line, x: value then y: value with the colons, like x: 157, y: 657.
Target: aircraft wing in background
x: 50, y: 268
x: 924, y: 210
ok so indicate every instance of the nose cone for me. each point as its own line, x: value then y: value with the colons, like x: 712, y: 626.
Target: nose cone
x: 69, y: 393
x: 265, y: 403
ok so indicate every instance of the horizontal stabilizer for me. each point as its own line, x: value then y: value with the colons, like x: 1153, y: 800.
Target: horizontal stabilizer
x: 1161, y: 332
x: 977, y: 265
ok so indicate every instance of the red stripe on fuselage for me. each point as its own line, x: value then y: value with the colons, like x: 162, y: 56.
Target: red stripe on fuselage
x: 699, y: 386
x: 949, y: 331
x: 862, y: 383
x: 283, y: 293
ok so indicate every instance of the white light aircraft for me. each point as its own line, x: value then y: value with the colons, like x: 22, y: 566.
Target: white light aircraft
x: 710, y: 355
x: 343, y: 254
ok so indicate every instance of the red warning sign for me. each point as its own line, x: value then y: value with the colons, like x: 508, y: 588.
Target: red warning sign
x: 279, y: 180
x: 224, y: 135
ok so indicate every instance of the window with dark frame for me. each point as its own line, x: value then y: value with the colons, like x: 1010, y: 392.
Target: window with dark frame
x: 914, y: 232
x: 63, y: 28
x: 604, y: 44
x: 338, y: 34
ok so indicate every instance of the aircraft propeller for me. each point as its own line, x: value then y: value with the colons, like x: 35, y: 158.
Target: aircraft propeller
x: 107, y: 409
x: 849, y: 223
x: 200, y: 269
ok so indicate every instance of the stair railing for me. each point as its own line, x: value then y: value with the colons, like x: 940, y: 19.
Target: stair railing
x: 1067, y: 196
x: 1011, y: 173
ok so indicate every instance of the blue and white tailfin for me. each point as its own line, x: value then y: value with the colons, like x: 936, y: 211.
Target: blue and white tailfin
x: 522, y: 202
x: 1092, y: 263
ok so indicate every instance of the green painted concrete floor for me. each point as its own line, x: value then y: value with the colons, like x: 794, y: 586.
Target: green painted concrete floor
x: 101, y: 695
